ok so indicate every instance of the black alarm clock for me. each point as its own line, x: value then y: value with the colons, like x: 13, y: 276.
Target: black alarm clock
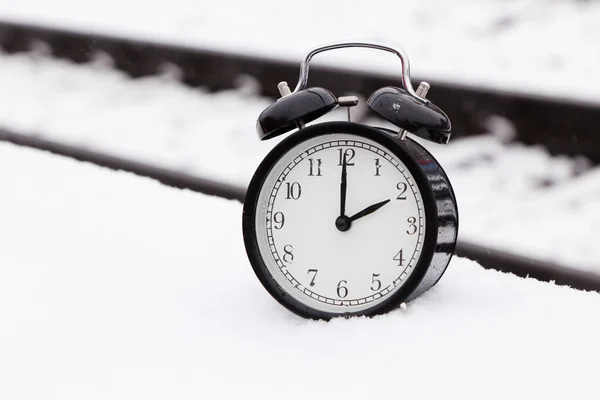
x: 347, y: 219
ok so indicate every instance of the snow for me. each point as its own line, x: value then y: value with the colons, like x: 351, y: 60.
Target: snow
x: 154, y: 119
x: 114, y: 286
x: 546, y: 47
x: 510, y: 196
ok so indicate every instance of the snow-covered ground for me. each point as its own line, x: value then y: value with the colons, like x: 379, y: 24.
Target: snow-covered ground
x: 510, y: 196
x: 116, y: 287
x: 542, y: 46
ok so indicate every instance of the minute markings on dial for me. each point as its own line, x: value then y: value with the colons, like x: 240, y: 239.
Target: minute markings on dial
x: 325, y: 293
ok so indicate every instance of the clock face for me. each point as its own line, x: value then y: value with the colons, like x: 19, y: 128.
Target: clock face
x: 333, y: 257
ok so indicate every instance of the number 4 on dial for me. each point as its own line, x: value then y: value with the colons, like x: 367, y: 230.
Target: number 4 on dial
x: 398, y: 257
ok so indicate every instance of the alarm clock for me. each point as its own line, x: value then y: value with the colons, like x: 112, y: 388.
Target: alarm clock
x: 346, y: 219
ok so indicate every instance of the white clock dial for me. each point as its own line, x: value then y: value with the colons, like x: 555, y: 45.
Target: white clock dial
x: 318, y: 264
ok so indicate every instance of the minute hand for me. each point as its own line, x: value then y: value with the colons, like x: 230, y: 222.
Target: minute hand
x: 369, y: 210
x: 343, y: 185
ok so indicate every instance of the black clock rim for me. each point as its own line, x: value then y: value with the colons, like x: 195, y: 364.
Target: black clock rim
x: 401, y: 149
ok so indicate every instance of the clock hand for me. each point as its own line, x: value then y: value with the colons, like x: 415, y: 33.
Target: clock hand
x: 343, y: 186
x: 342, y: 223
x: 371, y: 209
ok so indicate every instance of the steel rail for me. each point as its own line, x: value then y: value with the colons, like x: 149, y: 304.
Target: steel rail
x: 163, y: 175
x: 563, y: 127
x: 487, y: 257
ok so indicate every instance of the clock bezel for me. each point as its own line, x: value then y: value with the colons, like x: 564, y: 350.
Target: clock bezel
x: 403, y: 149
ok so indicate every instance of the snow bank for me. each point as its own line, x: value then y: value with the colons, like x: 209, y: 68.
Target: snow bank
x: 546, y: 47
x: 114, y: 286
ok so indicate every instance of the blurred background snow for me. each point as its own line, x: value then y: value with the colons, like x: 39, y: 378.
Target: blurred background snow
x: 548, y: 46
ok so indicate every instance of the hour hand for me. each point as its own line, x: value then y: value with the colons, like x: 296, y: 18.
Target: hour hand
x: 369, y: 210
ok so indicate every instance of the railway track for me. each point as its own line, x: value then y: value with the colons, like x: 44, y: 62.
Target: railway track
x: 562, y: 127
x: 537, y: 120
x: 489, y: 258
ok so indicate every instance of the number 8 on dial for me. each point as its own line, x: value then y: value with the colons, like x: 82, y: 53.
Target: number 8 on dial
x: 342, y: 218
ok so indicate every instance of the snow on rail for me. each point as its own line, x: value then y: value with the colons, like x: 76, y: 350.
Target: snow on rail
x: 510, y: 196
x: 545, y: 47
x: 112, y: 286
